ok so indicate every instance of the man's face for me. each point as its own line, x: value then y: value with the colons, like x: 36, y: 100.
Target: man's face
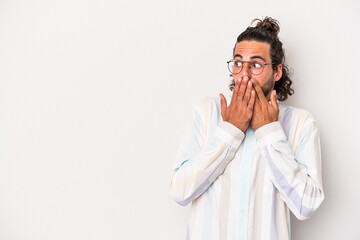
x: 254, y: 50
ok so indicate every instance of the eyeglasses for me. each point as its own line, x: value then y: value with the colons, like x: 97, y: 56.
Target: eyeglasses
x: 256, y: 66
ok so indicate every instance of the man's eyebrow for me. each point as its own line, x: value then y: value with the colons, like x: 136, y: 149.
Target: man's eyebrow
x: 238, y: 55
x: 258, y: 57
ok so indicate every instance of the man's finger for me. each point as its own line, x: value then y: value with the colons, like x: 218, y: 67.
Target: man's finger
x: 252, y: 100
x: 242, y: 88
x: 223, y: 104
x: 236, y: 89
x: 257, y: 101
x: 259, y: 92
x: 248, y: 91
x: 273, y: 100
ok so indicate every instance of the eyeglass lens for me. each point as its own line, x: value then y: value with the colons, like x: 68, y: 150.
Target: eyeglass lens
x: 256, y: 66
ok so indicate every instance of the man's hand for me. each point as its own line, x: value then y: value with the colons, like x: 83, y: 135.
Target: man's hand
x: 264, y: 112
x: 240, y: 110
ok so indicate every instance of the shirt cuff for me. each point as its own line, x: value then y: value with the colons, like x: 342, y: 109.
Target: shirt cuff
x: 269, y: 133
x: 230, y: 134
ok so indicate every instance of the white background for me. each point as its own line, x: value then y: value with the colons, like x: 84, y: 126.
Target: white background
x: 94, y: 96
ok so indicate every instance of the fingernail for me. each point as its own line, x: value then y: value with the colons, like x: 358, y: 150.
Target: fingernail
x: 274, y: 93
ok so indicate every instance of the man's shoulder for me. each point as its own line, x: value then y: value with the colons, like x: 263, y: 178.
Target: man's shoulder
x: 286, y: 107
x: 209, y: 108
x: 295, y: 113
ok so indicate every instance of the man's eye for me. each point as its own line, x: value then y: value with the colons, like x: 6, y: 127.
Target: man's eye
x: 256, y: 65
x: 238, y: 64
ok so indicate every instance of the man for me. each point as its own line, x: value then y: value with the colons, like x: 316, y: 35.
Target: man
x: 245, y: 165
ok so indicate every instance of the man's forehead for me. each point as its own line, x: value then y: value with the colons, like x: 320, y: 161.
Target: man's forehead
x: 247, y: 49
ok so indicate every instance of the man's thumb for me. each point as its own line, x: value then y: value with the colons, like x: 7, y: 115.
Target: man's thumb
x: 274, y: 101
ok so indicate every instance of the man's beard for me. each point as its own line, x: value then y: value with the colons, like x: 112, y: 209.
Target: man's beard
x: 267, y: 88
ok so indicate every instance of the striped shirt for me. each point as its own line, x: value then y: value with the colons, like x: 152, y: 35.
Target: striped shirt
x: 244, y: 185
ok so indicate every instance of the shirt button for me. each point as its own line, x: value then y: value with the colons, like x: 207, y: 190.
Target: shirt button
x: 242, y: 210
x: 244, y: 179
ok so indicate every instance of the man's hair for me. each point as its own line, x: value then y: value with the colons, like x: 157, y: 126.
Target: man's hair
x: 267, y: 30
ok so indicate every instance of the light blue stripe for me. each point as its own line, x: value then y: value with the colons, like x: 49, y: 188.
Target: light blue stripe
x: 289, y: 227
x: 300, y: 158
x: 245, y: 169
x: 289, y: 191
x: 289, y: 151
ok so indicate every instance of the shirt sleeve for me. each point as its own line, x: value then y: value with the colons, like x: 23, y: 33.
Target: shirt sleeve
x: 200, y: 158
x: 296, y: 176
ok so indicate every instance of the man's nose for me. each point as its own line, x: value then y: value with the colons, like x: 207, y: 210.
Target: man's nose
x: 246, y: 70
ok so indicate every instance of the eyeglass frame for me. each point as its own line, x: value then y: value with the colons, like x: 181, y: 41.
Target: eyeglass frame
x: 242, y: 66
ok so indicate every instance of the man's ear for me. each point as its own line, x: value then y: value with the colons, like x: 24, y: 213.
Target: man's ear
x: 278, y: 72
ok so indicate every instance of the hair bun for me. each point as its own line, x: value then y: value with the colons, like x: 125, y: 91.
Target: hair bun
x: 269, y: 24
